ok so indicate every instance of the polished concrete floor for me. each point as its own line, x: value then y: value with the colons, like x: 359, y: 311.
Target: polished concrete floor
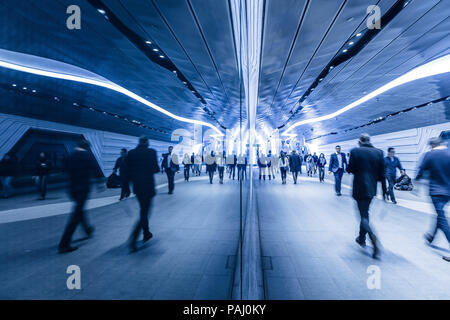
x: 309, y: 250
x: 192, y: 254
x: 306, y: 235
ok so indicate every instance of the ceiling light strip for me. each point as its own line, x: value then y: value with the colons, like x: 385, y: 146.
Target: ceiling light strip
x: 105, y: 84
x: 435, y: 67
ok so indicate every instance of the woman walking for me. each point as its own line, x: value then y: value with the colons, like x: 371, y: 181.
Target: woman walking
x: 321, y: 162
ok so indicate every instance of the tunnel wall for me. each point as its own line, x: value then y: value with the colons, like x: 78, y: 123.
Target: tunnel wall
x: 105, y: 145
x: 409, y: 144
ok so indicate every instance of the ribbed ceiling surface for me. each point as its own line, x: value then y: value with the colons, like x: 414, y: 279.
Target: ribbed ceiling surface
x: 300, y: 38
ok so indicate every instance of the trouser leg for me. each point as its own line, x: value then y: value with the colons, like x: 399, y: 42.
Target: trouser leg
x: 211, y: 175
x: 144, y: 204
x: 439, y: 203
x: 391, y: 183
x: 364, y: 227
x: 125, y: 187
x: 170, y: 179
x: 75, y: 218
x: 221, y: 169
x: 186, y: 172
x: 337, y: 180
x: 43, y: 185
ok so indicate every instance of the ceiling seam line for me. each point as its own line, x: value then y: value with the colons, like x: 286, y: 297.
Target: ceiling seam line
x: 300, y: 24
x: 315, y: 52
x: 197, y: 23
x: 182, y: 47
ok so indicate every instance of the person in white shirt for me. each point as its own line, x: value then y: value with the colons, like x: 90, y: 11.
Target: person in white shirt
x: 284, y: 166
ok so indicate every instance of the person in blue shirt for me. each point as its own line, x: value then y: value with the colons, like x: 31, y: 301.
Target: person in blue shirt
x: 391, y: 163
x: 437, y: 164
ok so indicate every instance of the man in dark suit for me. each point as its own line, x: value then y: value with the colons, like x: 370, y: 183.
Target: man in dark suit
x: 338, y: 163
x: 80, y: 168
x: 121, y: 166
x: 437, y: 164
x: 367, y: 165
x: 170, y: 165
x: 142, y: 164
x: 391, y: 163
x: 232, y: 162
x: 295, y: 165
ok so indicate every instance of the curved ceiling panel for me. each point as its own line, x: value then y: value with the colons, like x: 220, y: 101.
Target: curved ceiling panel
x: 198, y: 76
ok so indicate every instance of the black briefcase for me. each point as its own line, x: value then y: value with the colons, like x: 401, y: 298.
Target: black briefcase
x: 113, y: 181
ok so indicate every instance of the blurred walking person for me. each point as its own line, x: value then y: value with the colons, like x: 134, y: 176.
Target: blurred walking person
x: 309, y: 165
x: 220, y: 162
x: 315, y: 160
x: 295, y: 164
x: 187, y: 166
x: 192, y: 163
x: 232, y: 162
x: 436, y: 163
x: 242, y: 167
x: 211, y: 165
x: 321, y: 162
x: 141, y: 165
x: 43, y: 167
x: 262, y: 164
x: 272, y: 164
x: 124, y: 181
x: 170, y: 165
x: 367, y: 166
x: 284, y: 166
x: 391, y: 163
x: 80, y: 168
x: 197, y: 164
x: 8, y: 170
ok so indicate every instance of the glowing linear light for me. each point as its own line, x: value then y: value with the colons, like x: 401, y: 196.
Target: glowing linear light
x: 435, y: 67
x: 100, y: 82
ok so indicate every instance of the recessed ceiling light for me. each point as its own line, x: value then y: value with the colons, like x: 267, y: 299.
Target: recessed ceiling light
x: 156, y: 50
x: 33, y: 90
x: 358, y: 34
x: 331, y: 67
x: 148, y: 42
x: 345, y: 50
x: 24, y: 88
x: 161, y: 56
x: 14, y: 85
x: 174, y: 71
x: 75, y: 104
x: 351, y: 42
x: 101, y: 11
x: 56, y: 98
